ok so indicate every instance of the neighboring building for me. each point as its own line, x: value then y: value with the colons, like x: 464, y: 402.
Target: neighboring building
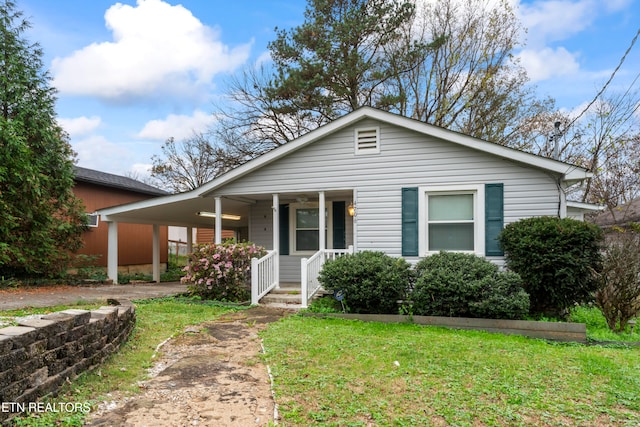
x: 100, y: 190
x: 385, y: 183
x: 620, y: 216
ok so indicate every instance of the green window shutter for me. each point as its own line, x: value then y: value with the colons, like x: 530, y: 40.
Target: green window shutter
x: 284, y: 229
x: 410, y: 221
x: 494, y: 218
x: 339, y: 225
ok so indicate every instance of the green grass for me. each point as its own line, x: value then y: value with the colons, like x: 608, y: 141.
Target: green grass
x: 157, y: 320
x: 333, y: 372
x: 597, y: 328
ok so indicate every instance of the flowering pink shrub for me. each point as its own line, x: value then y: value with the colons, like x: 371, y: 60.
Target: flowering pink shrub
x: 221, y: 272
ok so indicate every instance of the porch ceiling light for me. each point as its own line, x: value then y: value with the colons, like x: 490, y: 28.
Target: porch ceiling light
x: 351, y: 209
x: 224, y: 216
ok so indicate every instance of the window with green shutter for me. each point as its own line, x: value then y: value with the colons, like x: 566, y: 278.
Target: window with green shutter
x: 410, y: 225
x: 494, y: 218
x: 457, y: 217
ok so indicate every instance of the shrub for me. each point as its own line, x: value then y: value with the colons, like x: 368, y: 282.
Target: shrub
x: 372, y: 282
x: 221, y: 272
x: 465, y: 285
x: 618, y: 296
x: 556, y: 258
x: 501, y: 296
x: 325, y: 304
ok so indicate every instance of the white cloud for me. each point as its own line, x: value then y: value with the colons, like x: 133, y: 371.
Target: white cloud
x: 80, y: 126
x: 546, y: 63
x: 141, y: 170
x: 617, y: 5
x: 96, y: 152
x: 264, y: 58
x: 549, y: 21
x: 176, y: 126
x: 157, y: 49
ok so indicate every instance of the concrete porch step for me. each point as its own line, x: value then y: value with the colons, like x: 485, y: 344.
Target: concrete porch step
x: 287, y: 296
x: 282, y: 296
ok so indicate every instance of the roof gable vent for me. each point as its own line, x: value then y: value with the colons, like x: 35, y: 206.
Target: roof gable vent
x: 367, y: 141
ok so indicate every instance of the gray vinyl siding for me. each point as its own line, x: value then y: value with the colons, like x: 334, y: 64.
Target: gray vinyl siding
x: 260, y: 229
x: 406, y: 159
x: 261, y: 233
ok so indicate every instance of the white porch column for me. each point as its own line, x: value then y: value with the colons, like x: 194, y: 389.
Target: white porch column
x: 189, y: 240
x: 112, y: 252
x: 156, y: 253
x: 218, y: 221
x: 354, y: 219
x: 323, y: 221
x: 276, y: 237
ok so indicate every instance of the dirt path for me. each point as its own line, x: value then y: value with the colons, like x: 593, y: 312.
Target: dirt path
x: 211, y: 375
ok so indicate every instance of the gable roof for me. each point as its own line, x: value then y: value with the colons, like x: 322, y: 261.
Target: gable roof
x: 91, y: 176
x: 192, y: 199
x: 569, y: 173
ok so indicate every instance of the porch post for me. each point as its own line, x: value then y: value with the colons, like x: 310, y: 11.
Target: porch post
x: 218, y: 221
x: 354, y: 221
x: 112, y: 252
x: 323, y: 221
x: 156, y: 253
x: 189, y: 240
x: 276, y: 237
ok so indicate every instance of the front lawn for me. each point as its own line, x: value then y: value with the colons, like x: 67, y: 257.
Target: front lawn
x: 335, y: 372
x: 157, y: 320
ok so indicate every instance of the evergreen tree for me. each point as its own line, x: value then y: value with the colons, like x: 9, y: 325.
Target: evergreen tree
x: 41, y: 221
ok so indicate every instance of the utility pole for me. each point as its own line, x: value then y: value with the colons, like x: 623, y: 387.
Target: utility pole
x: 555, y: 138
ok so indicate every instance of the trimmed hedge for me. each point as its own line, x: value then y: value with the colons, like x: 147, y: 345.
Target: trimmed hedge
x: 465, y: 285
x: 556, y: 259
x: 372, y: 282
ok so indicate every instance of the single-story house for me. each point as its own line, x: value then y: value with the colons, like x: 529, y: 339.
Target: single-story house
x: 99, y: 190
x: 370, y: 180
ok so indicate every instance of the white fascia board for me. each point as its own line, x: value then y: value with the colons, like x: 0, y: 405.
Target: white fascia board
x: 283, y: 150
x: 585, y: 206
x: 143, y: 204
x: 570, y: 173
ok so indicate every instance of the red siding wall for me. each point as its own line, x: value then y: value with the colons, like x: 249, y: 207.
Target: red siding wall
x: 207, y: 235
x: 134, y: 240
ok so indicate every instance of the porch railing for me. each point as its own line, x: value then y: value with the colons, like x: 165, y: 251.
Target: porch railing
x: 264, y: 275
x: 310, y: 269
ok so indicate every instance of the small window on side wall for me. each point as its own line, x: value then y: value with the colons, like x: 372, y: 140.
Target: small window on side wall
x: 92, y: 219
x: 367, y: 141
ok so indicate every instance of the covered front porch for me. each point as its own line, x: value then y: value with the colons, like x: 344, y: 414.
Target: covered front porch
x: 298, y: 238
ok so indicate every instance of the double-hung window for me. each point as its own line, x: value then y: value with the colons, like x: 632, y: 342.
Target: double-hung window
x: 451, y: 222
x: 305, y: 227
x: 452, y: 219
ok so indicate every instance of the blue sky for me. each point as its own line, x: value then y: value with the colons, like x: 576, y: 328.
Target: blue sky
x: 131, y: 74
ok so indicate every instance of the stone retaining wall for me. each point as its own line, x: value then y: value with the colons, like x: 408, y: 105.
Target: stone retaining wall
x: 40, y: 354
